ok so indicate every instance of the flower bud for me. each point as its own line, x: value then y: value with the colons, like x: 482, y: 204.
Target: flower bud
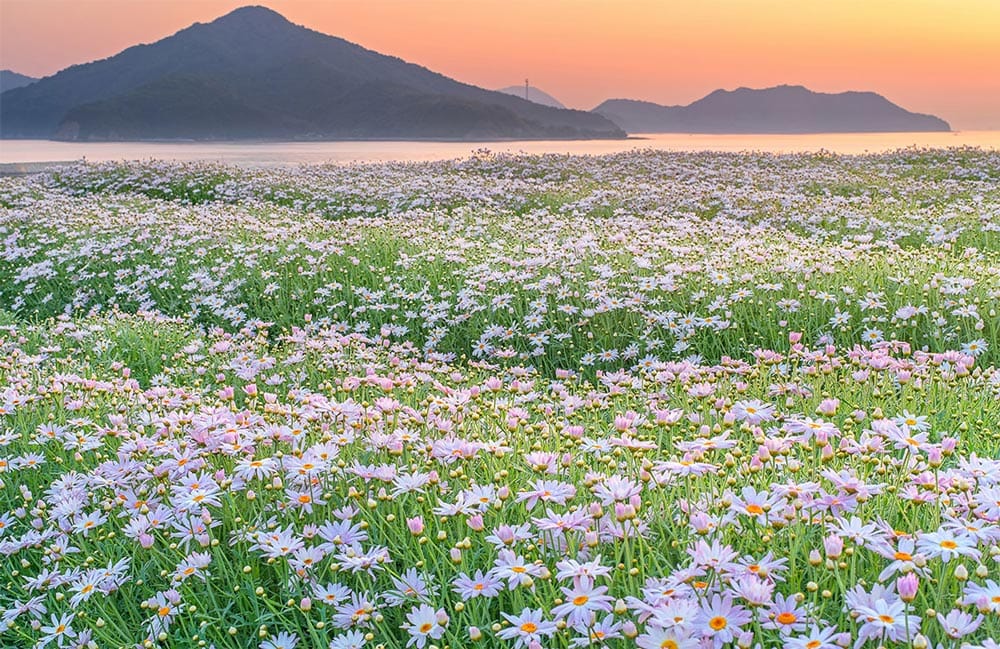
x: 834, y: 546
x: 907, y: 586
x: 416, y: 525
x: 828, y: 407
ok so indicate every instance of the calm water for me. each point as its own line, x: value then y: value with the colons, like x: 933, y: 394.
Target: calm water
x: 290, y: 153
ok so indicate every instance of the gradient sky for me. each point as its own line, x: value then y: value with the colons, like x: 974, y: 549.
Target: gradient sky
x: 931, y: 56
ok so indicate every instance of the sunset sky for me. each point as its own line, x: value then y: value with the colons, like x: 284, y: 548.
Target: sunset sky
x: 930, y: 56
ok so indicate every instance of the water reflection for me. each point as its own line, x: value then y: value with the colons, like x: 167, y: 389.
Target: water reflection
x: 290, y: 153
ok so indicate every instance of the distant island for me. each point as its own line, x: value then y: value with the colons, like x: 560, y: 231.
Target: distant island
x: 534, y: 94
x: 252, y: 74
x: 10, y: 79
x: 782, y: 109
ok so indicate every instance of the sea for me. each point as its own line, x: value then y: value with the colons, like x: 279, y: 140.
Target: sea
x: 21, y: 156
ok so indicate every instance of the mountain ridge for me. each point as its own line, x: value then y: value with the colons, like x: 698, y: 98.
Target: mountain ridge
x: 10, y: 80
x: 303, y: 85
x: 536, y: 95
x: 776, y: 110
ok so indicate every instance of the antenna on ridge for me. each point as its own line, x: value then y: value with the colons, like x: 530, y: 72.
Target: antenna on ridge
x: 526, y: 90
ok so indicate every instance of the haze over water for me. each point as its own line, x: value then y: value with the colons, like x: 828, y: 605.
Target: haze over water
x: 14, y: 152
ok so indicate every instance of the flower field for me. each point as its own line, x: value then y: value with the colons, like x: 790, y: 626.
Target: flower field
x: 649, y: 399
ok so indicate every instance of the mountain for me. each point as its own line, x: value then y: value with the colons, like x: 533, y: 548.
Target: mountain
x: 10, y: 79
x: 253, y: 74
x: 534, y: 94
x: 782, y: 109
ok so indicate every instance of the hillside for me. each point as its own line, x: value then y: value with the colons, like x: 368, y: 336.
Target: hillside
x: 253, y: 74
x: 10, y: 80
x: 534, y: 94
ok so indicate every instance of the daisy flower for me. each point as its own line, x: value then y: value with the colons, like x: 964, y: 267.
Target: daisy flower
x: 283, y: 640
x: 526, y: 628
x: 723, y: 619
x: 582, y: 603
x: 423, y: 623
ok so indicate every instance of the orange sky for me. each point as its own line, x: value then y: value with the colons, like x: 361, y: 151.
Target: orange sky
x: 933, y: 56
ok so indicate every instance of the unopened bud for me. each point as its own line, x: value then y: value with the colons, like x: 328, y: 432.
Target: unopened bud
x: 961, y: 573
